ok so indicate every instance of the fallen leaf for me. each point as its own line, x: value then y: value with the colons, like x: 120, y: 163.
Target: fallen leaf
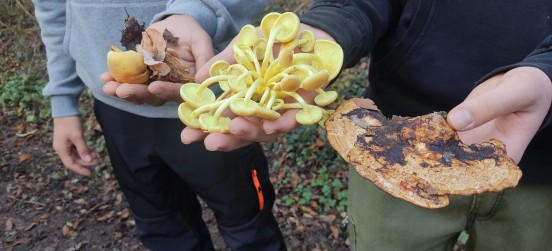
x: 80, y: 201
x: 106, y: 216
x: 34, y: 224
x: 124, y: 214
x: 78, y: 222
x: 79, y: 188
x: 11, y: 245
x: 66, y: 231
x: 24, y: 156
x: 118, y: 198
x: 335, y: 231
x: 9, y: 224
x: 25, y: 134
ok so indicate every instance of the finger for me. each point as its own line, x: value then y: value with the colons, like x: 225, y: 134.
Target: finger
x: 224, y: 142
x: 191, y: 135
x: 110, y: 88
x: 202, y: 51
x: 138, y: 94
x: 249, y: 130
x: 166, y: 90
x: 106, y: 77
x: 83, y: 152
x: 284, y: 124
x: 66, y: 157
x: 484, y: 107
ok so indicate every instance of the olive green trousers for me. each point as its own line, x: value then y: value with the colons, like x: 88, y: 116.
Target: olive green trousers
x: 517, y: 219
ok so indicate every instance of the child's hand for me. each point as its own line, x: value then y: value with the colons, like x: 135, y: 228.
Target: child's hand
x: 194, y: 47
x: 246, y: 130
x: 509, y: 107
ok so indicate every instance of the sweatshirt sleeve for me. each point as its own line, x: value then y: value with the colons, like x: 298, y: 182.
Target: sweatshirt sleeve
x: 221, y: 19
x: 64, y: 87
x: 356, y: 25
x: 540, y: 58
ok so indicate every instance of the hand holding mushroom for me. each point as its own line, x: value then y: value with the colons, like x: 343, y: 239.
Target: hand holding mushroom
x: 151, y: 81
x: 268, y: 93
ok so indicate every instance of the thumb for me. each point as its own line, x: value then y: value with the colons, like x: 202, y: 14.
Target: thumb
x: 479, y: 109
x: 203, y: 71
x: 202, y: 51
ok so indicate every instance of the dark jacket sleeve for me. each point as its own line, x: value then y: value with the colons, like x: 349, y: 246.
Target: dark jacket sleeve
x: 356, y: 25
x: 540, y: 58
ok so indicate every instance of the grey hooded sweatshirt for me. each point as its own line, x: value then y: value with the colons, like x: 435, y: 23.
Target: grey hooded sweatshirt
x: 77, y: 35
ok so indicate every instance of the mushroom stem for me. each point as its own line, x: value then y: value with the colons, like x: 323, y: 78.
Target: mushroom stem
x: 253, y: 88
x: 210, y: 81
x: 226, y: 103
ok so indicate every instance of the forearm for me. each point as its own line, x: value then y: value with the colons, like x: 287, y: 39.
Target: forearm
x: 221, y: 19
x: 64, y: 86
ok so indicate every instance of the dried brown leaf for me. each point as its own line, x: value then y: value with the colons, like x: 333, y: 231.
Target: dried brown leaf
x: 131, y: 35
x: 24, y: 156
x: 106, y: 216
x: 124, y: 214
x: 170, y: 38
x: 80, y: 201
x: 335, y: 231
x: 12, y: 244
x: 31, y: 226
x: 78, y: 222
x: 9, y: 224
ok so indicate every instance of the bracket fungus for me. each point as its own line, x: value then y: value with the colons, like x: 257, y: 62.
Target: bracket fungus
x: 261, y: 84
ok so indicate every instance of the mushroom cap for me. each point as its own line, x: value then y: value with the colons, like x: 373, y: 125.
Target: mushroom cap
x: 330, y: 57
x: 268, y: 22
x: 211, y: 123
x: 309, y: 115
x: 308, y: 39
x: 259, y: 48
x: 289, y: 24
x: 289, y: 83
x: 243, y: 107
x: 247, y: 36
x: 315, y: 81
x: 285, y: 57
x: 189, y: 93
x: 127, y: 67
x: 185, y: 115
x: 267, y: 114
x: 325, y: 98
x: 218, y: 67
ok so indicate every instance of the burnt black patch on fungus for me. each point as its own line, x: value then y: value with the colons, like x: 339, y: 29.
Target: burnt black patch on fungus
x: 455, y: 149
x: 387, y: 138
x: 361, y: 113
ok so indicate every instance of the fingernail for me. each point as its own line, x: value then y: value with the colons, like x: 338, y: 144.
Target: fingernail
x: 87, y: 158
x: 461, y: 120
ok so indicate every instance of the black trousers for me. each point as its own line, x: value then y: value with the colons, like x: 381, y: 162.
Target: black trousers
x: 161, y: 179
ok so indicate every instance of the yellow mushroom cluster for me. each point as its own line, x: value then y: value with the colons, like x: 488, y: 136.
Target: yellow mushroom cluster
x: 262, y: 85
